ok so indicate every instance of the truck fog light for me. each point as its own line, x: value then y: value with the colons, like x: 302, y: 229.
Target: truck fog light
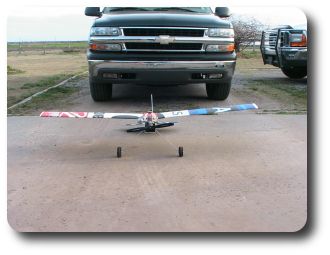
x: 220, y: 47
x: 114, y: 47
x: 213, y: 48
x: 215, y: 75
x: 106, y: 47
x: 110, y: 75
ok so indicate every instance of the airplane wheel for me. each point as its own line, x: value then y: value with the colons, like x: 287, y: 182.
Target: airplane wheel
x: 180, y: 151
x: 118, y: 152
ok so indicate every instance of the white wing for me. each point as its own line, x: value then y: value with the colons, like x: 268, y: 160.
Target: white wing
x: 91, y: 115
x: 206, y: 111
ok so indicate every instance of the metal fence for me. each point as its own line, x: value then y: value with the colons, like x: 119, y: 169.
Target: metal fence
x: 44, y: 47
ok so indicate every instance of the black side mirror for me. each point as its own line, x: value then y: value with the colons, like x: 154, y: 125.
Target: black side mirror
x: 93, y: 11
x: 222, y: 12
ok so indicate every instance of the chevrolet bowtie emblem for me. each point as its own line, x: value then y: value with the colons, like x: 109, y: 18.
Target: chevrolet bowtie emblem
x: 164, y: 39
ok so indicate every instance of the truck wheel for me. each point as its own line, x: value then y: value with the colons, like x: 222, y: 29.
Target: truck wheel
x: 218, y: 91
x: 100, y: 91
x: 295, y: 72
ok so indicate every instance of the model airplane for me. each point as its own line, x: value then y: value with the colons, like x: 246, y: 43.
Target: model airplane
x: 150, y: 120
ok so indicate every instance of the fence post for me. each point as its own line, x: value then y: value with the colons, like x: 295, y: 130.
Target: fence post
x: 19, y: 47
x: 44, y: 47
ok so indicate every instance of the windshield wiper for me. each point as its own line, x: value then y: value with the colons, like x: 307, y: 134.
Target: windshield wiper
x: 127, y: 9
x: 173, y: 9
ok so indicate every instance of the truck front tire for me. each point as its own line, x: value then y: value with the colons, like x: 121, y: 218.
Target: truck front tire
x: 100, y: 91
x: 295, y: 72
x: 218, y: 91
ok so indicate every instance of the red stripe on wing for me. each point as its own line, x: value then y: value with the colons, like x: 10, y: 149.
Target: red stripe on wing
x: 81, y: 114
x: 65, y: 115
x: 45, y: 114
x: 49, y: 114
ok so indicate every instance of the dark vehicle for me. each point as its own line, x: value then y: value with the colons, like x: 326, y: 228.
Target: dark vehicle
x: 286, y: 47
x: 160, y: 46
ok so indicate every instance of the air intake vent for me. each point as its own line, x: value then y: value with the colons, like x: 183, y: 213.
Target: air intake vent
x: 157, y: 46
x: 163, y: 31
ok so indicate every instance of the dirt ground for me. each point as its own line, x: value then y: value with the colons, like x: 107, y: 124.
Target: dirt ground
x: 34, y: 66
x: 244, y: 171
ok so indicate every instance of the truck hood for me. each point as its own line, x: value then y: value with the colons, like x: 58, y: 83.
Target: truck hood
x: 160, y: 19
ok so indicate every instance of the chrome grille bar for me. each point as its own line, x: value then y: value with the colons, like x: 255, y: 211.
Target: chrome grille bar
x: 180, y: 38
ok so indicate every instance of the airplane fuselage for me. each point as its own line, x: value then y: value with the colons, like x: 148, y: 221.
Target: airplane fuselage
x: 150, y: 120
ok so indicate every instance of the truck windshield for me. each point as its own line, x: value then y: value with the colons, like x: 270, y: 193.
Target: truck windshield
x: 108, y: 10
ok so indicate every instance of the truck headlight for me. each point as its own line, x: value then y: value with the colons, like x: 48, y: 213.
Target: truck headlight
x: 112, y: 31
x: 220, y: 47
x: 298, y: 40
x: 220, y: 32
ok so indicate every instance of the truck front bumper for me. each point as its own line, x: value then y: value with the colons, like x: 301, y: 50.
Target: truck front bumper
x: 161, y: 72
x: 293, y: 57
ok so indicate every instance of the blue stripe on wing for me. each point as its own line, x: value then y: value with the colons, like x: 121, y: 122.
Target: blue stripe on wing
x: 242, y: 107
x: 198, y: 111
x: 201, y: 111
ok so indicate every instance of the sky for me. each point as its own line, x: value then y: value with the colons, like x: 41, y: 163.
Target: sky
x: 68, y: 23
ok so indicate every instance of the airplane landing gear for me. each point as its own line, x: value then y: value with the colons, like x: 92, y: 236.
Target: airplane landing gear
x: 180, y: 148
x: 180, y: 151
x: 118, y: 152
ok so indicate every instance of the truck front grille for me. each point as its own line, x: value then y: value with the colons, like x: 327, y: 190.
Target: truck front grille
x: 272, y: 40
x: 163, y: 31
x: 191, y: 36
x: 157, y: 46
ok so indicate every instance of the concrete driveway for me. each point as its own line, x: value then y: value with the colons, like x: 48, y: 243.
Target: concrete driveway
x: 240, y: 171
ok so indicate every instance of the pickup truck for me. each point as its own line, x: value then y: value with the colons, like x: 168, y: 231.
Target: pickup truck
x: 286, y: 47
x: 160, y: 46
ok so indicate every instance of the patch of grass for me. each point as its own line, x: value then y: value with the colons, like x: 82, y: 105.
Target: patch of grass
x: 287, y: 92
x: 291, y: 112
x: 51, y: 98
x: 47, y: 82
x: 11, y: 70
x: 283, y: 111
x: 276, y: 88
x: 70, y: 52
x: 28, y: 89
x: 247, y: 54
